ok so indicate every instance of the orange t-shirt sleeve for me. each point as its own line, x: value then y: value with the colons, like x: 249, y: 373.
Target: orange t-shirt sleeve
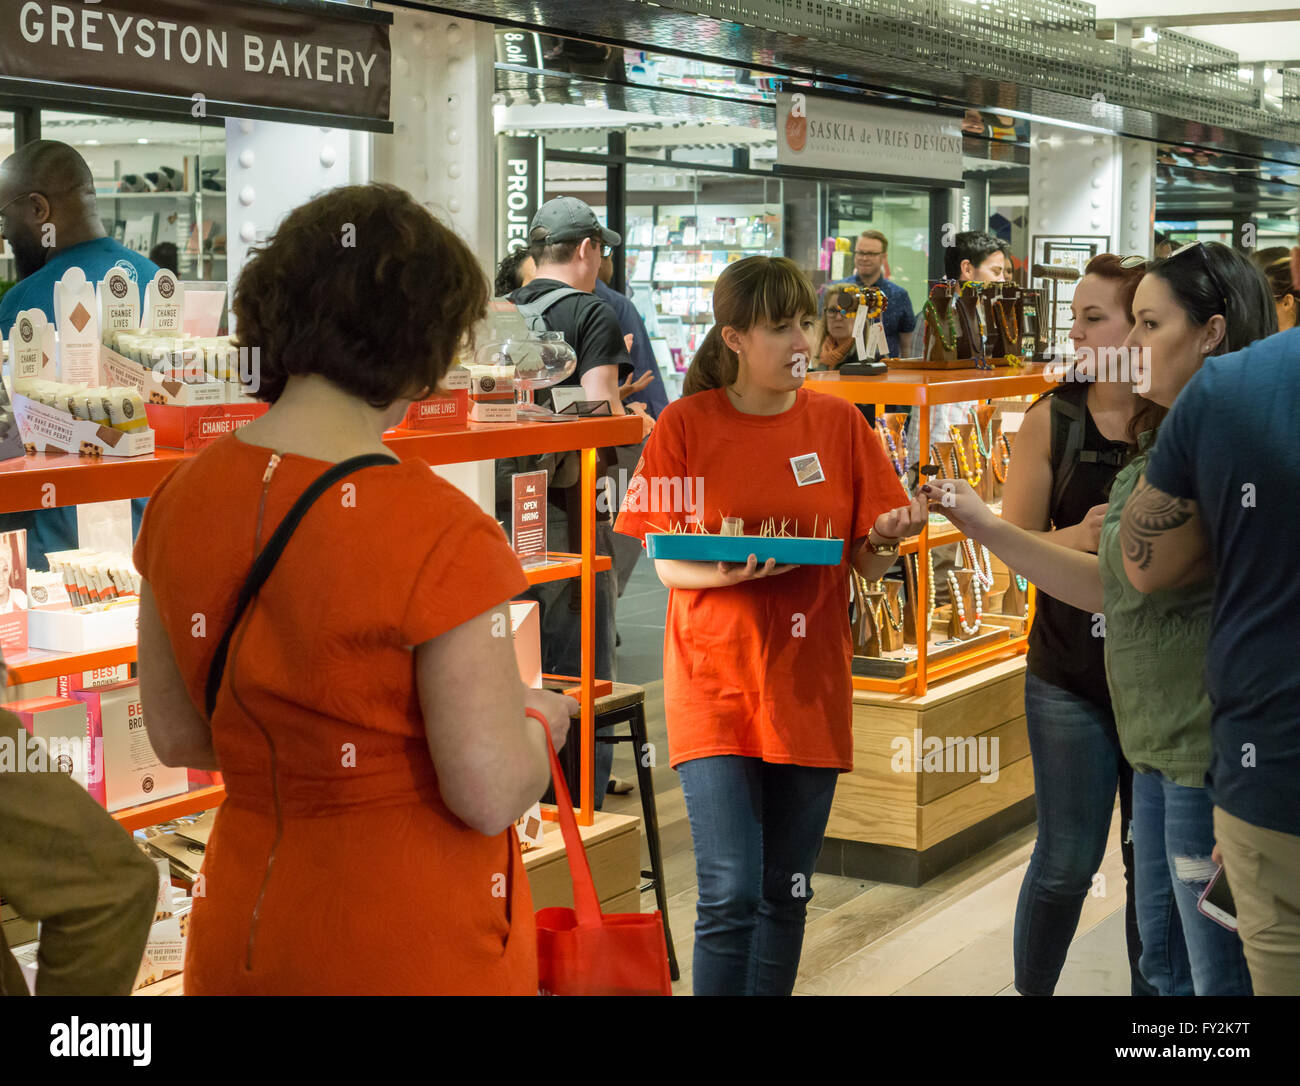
x: 663, y: 459
x: 469, y: 570
x: 876, y: 488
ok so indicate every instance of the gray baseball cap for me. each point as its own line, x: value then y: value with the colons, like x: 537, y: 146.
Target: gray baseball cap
x: 566, y: 218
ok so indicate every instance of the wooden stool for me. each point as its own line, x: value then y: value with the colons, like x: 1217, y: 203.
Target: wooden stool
x: 626, y: 705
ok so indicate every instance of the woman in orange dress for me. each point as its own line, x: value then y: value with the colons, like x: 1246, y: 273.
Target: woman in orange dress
x: 370, y: 727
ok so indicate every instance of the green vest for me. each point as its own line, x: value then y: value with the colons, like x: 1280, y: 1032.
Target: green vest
x: 1155, y: 655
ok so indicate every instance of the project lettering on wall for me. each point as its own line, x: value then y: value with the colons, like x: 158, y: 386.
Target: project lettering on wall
x: 238, y: 51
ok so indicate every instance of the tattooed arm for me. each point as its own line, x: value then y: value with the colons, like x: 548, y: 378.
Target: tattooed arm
x: 1163, y: 539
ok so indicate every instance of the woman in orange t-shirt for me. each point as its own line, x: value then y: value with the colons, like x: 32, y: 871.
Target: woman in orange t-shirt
x: 757, y: 685
x: 370, y: 724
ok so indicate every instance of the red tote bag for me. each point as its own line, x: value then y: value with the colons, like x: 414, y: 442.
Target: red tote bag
x: 582, y: 951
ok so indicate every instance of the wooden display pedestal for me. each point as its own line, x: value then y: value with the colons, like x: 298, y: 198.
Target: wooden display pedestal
x: 613, y: 844
x: 891, y: 823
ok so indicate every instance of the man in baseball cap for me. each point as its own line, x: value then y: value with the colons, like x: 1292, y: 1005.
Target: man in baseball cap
x: 566, y: 218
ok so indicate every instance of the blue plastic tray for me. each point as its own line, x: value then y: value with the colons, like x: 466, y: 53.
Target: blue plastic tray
x: 690, y: 547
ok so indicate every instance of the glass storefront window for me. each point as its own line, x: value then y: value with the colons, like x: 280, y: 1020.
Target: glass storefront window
x: 161, y: 186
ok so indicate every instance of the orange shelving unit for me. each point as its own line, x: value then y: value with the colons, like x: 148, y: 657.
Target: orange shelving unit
x: 925, y: 389
x: 43, y: 480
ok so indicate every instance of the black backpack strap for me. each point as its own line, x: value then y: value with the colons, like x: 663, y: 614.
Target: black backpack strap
x: 270, y: 554
x: 1068, y: 434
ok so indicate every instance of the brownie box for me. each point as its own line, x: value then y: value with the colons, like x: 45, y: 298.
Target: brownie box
x: 190, y: 428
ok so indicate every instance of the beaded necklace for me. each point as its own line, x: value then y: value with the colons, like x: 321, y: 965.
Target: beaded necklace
x: 899, y: 458
x: 931, y: 315
x: 894, y: 623
x: 1012, y: 337
x: 985, y: 447
x: 971, y: 476
x: 967, y: 629
x: 1002, y: 461
x: 983, y: 572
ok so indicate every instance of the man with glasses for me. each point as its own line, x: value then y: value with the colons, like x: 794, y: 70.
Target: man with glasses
x: 868, y: 271
x: 50, y: 219
x: 567, y: 243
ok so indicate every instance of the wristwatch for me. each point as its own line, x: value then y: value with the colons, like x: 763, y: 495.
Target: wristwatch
x: 883, y: 549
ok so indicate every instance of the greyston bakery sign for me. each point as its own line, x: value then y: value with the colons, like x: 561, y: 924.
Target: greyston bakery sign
x: 321, y: 57
x: 853, y: 137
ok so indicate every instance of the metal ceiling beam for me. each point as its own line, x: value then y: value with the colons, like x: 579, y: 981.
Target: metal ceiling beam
x: 925, y: 61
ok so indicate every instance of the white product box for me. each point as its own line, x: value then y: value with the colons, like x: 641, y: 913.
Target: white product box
x: 47, y: 428
x: 63, y: 724
x: 131, y: 771
x: 32, y: 350
x: 154, y: 387
x: 526, y: 629
x: 77, y: 631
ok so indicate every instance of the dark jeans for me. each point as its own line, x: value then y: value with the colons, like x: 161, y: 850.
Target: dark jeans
x: 561, y: 627
x: 757, y: 830
x: 1184, y: 951
x: 1077, y: 764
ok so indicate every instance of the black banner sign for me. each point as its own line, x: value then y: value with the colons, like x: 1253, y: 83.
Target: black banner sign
x: 318, y: 57
x: 521, y: 175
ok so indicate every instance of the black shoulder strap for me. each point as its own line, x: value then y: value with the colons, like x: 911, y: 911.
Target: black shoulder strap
x: 270, y: 554
x: 1068, y: 434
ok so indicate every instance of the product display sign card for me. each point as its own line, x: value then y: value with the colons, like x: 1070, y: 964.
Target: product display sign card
x: 31, y: 346
x: 76, y: 315
x: 13, y: 593
x: 528, y: 517
x: 11, y: 437
x: 164, y: 304
x: 119, y: 302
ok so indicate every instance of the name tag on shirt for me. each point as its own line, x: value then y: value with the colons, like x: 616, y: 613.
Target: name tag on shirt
x: 807, y: 469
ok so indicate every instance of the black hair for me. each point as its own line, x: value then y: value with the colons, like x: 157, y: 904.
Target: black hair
x: 973, y: 245
x: 1237, y: 290
x: 508, y: 278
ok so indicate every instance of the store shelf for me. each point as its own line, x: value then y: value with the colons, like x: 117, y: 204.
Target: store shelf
x: 164, y: 810
x: 902, y: 386
x: 494, y: 441
x: 563, y: 566
x: 37, y: 664
x: 154, y: 195
x: 73, y: 480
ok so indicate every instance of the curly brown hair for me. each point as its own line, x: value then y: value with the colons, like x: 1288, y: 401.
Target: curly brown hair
x: 364, y: 287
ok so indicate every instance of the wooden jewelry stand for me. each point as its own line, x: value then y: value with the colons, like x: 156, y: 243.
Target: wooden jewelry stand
x: 941, y: 331
x: 970, y: 334
x: 893, y: 620
x: 990, y: 299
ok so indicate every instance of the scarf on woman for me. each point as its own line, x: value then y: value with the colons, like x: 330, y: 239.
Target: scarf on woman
x: 832, y: 353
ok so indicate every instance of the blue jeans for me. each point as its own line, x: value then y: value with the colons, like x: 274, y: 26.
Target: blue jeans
x: 1077, y: 765
x: 1183, y: 951
x: 561, y: 626
x: 757, y: 830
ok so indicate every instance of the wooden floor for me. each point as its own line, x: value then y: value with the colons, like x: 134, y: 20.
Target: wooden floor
x: 952, y: 936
